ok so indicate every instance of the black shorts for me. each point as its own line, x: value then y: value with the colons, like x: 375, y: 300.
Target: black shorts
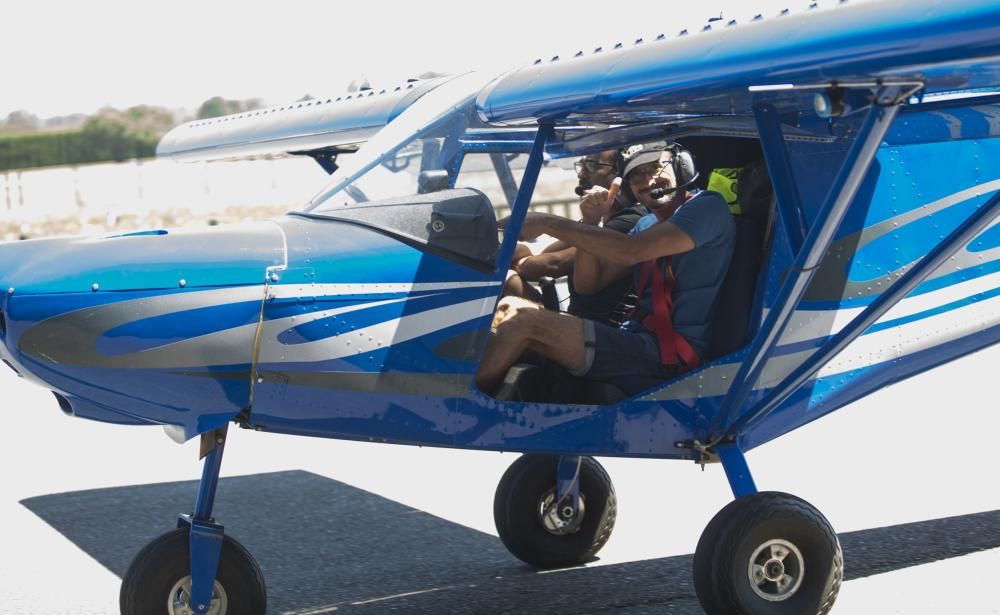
x: 613, y: 353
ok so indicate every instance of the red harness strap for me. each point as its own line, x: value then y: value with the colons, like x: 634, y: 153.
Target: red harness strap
x: 674, y: 348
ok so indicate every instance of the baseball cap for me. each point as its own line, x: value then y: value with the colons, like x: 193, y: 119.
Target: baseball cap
x: 637, y: 155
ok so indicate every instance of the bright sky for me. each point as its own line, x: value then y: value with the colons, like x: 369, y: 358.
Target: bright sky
x: 58, y: 58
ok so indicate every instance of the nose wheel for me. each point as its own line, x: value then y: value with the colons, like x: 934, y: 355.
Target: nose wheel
x: 158, y: 581
x: 196, y: 569
x: 768, y: 553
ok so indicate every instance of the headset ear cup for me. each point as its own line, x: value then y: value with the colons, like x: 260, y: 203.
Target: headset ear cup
x: 684, y: 169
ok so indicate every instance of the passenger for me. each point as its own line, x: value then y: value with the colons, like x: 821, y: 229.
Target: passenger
x: 595, y: 173
x: 682, y: 249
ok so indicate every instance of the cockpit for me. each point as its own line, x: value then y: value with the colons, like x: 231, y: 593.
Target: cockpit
x: 438, y: 181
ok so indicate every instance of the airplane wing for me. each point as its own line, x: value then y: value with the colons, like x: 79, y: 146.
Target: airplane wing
x: 948, y: 46
x: 336, y: 123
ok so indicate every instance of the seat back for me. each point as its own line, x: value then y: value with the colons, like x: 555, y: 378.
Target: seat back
x: 732, y: 324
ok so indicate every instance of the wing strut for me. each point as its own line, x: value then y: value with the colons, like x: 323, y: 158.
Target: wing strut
x: 779, y: 167
x: 520, y: 206
x: 816, y: 243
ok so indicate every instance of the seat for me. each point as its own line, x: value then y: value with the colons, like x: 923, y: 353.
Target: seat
x: 734, y: 322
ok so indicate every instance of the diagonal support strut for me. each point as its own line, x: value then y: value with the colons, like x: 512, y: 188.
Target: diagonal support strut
x: 835, y: 207
x: 961, y: 236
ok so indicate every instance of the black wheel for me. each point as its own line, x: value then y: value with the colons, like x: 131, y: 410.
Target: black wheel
x: 527, y: 491
x: 768, y: 554
x: 158, y: 581
x: 703, y: 564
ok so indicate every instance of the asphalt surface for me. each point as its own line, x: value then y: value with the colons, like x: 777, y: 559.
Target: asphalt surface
x: 345, y: 549
x: 907, y: 476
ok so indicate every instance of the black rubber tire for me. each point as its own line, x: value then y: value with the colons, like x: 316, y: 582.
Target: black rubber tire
x: 703, y: 565
x: 723, y: 556
x: 515, y: 511
x: 163, y: 562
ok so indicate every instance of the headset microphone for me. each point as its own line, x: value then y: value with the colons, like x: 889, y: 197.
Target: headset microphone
x: 659, y: 193
x: 579, y: 190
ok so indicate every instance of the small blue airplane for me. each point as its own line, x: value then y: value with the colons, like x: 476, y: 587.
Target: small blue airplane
x: 867, y: 254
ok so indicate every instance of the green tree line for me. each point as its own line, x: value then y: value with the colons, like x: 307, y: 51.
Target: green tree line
x: 77, y: 147
x: 110, y: 136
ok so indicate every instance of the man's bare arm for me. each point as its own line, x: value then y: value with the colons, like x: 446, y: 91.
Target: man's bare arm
x: 591, y: 274
x: 555, y: 246
x: 554, y: 264
x: 663, y: 239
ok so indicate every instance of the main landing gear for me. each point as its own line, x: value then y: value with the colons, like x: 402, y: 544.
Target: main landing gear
x: 195, y: 569
x: 765, y: 553
x: 554, y: 512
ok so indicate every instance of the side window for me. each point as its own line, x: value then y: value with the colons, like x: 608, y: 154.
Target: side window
x: 499, y: 177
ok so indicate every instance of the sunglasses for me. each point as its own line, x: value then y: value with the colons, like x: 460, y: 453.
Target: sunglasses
x: 646, y: 171
x: 592, y: 166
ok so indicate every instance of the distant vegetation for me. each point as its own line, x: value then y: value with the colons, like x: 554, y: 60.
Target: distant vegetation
x: 217, y: 106
x: 111, y: 135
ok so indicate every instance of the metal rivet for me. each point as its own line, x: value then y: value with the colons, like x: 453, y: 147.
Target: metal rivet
x: 95, y: 287
x: 10, y: 291
x: 183, y: 283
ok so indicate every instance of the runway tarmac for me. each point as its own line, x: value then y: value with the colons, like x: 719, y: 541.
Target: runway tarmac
x: 907, y: 477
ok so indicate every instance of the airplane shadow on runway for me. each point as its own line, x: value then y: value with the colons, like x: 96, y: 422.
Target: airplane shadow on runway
x: 326, y: 547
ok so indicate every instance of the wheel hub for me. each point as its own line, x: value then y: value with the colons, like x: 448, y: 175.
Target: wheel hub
x: 776, y: 570
x: 179, y: 600
x: 559, y: 518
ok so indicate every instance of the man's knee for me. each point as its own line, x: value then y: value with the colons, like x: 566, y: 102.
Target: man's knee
x: 515, y: 314
x: 514, y: 286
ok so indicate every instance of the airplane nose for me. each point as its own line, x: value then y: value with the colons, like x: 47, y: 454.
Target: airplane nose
x: 147, y: 260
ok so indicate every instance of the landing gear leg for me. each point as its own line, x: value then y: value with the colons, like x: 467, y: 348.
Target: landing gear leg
x: 195, y: 569
x: 206, y: 535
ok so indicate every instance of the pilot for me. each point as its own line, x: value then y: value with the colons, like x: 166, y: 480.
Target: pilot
x: 595, y: 173
x: 678, y: 255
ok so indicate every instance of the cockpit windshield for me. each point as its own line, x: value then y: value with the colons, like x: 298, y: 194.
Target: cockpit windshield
x: 420, y: 151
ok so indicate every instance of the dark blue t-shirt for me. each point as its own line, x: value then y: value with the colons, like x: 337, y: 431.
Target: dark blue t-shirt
x: 698, y: 273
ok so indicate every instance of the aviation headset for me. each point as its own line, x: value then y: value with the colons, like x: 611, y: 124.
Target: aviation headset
x: 682, y: 161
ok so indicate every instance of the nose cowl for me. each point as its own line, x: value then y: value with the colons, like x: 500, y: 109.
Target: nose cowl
x: 220, y: 256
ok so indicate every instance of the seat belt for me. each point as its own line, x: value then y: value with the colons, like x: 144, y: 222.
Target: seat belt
x: 675, y: 350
